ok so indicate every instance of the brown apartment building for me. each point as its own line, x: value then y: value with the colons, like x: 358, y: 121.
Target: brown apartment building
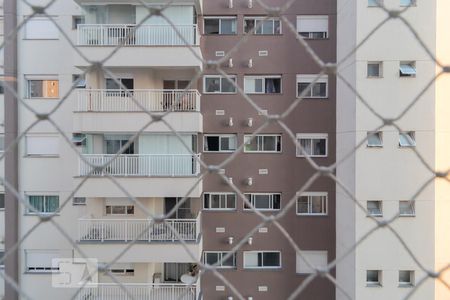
x: 270, y: 67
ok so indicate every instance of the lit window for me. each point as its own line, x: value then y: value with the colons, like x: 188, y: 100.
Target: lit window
x: 407, y: 69
x: 373, y: 278
x: 219, y: 201
x: 313, y: 145
x: 406, y: 278
x: 407, y: 139
x: 219, y: 84
x: 374, y: 69
x: 262, y: 143
x: 374, y: 208
x: 374, y: 139
x: 217, y: 259
x: 263, y: 201
x: 220, y: 25
x: 43, y: 89
x: 312, y: 203
x: 407, y: 208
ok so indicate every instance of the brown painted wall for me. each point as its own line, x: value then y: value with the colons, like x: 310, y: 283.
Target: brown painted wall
x: 287, y: 173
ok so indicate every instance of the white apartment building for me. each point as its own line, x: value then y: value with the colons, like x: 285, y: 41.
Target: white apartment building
x: 157, y: 169
x: 389, y: 70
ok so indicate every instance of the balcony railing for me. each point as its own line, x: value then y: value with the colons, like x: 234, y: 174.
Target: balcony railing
x: 144, y: 291
x: 145, y: 165
x: 103, y: 100
x: 143, y: 230
x: 132, y: 35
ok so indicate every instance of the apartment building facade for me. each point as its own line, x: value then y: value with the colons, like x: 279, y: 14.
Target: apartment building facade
x: 392, y: 69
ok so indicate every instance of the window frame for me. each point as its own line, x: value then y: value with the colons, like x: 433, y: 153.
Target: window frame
x: 29, y: 79
x: 379, y: 134
x: 226, y: 194
x: 221, y: 254
x: 263, y: 78
x: 262, y: 259
x: 252, y: 201
x: 408, y: 74
x: 126, y: 207
x: 311, y: 136
x: 122, y: 269
x: 380, y: 208
x: 378, y: 3
x: 29, y: 212
x: 246, y: 136
x: 412, y: 205
x: 410, y: 283
x: 410, y: 136
x: 2, y: 195
x: 411, y: 4
x: 310, y: 213
x: 44, y: 270
x: 308, y: 78
x: 220, y: 135
x: 264, y: 19
x: 311, y: 33
x: 377, y: 283
x: 380, y: 69
x: 220, y: 18
x: 221, y: 77
x: 26, y: 148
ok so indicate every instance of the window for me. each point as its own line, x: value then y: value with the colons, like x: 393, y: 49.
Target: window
x: 262, y: 25
x: 41, y: 261
x: 2, y: 255
x: 216, y: 258
x: 407, y: 69
x: 113, y: 143
x: 375, y: 139
x: 219, y: 201
x: 307, y: 89
x: 374, y: 208
x: 262, y: 259
x: 121, y: 269
x: 407, y: 208
x: 77, y: 20
x: 79, y: 201
x: 42, y: 145
x: 314, y: 145
x: 313, y: 27
x: 407, y: 139
x: 374, y: 3
x: 220, y: 143
x: 312, y: 203
x: 119, y: 209
x: 40, y: 28
x: 374, y: 69
x: 262, y: 143
x: 262, y: 84
x: 263, y: 201
x: 2, y: 142
x: 219, y: 84
x: 38, y: 88
x: 317, y: 260
x: 407, y: 2
x: 42, y: 204
x: 2, y: 201
x: 119, y: 84
x: 373, y: 278
x: 405, y: 278
x: 220, y: 25
x: 79, y: 81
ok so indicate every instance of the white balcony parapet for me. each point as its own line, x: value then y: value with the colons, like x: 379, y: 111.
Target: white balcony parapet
x: 142, y: 230
x: 138, y: 291
x: 133, y: 35
x: 143, y: 165
x: 106, y: 100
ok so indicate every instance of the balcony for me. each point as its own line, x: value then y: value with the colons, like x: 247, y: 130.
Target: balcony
x: 133, y: 35
x: 105, y: 110
x: 139, y: 291
x: 141, y: 230
x: 169, y: 45
x: 158, y: 175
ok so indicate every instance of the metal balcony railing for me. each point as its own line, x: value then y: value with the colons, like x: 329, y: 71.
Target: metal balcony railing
x: 132, y: 35
x: 107, y: 100
x: 143, y: 230
x: 145, y: 165
x: 139, y: 291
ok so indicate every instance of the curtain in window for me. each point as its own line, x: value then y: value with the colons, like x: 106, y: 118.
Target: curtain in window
x: 306, y: 144
x: 51, y: 203
x: 37, y: 202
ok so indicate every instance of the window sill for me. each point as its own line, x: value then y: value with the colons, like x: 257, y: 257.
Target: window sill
x: 40, y: 156
x: 263, y: 152
x: 375, y: 216
x: 312, y: 156
x: 219, y: 93
x: 374, y: 77
x: 313, y: 98
x: 219, y: 151
x: 42, y: 98
x: 374, y: 285
x: 219, y: 210
x: 312, y: 215
x: 30, y: 214
x: 374, y: 147
x: 407, y: 216
x: 406, y: 285
x: 249, y: 210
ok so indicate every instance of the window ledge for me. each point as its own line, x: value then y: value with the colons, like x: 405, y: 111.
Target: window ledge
x: 406, y: 285
x: 312, y: 215
x: 374, y: 285
x: 40, y: 156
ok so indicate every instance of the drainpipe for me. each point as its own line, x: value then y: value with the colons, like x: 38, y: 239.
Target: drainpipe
x: 11, y: 156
